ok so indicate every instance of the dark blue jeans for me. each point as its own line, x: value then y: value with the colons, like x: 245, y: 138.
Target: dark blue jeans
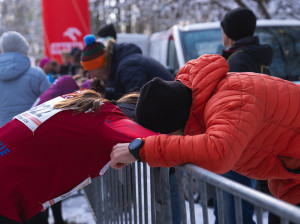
x: 228, y: 200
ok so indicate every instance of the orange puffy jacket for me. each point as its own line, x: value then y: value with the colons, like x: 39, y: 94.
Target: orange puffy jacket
x: 246, y: 122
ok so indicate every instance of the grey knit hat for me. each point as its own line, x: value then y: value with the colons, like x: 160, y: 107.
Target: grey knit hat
x: 12, y: 41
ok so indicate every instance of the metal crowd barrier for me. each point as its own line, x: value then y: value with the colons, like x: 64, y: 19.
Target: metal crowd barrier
x: 140, y: 194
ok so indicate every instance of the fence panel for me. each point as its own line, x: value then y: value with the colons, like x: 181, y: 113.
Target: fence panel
x: 140, y: 194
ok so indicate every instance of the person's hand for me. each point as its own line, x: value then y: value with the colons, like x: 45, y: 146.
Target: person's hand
x: 120, y: 156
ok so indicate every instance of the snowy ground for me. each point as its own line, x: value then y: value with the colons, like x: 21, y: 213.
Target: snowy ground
x: 76, y: 210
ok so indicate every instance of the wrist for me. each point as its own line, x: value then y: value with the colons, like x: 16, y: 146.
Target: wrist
x: 134, y: 148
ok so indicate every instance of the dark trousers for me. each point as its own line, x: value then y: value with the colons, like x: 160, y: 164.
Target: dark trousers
x: 42, y: 217
x: 4, y: 220
x: 57, y: 213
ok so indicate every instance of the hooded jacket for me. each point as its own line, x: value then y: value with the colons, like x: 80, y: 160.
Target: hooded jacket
x: 246, y: 122
x: 35, y: 170
x: 247, y: 54
x: 20, y: 85
x: 130, y: 70
x: 63, y: 85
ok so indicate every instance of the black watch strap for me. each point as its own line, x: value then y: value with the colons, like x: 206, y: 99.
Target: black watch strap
x: 134, y: 148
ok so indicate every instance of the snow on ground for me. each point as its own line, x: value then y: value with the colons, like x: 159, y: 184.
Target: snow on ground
x: 75, y: 210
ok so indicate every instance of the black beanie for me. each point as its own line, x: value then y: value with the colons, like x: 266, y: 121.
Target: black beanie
x: 108, y: 31
x: 239, y: 23
x: 163, y: 106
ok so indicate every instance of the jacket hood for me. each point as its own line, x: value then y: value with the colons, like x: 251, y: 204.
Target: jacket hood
x: 201, y: 75
x: 121, y: 51
x: 13, y: 65
x: 262, y: 53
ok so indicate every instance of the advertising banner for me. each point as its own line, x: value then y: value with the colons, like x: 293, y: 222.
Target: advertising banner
x: 65, y: 23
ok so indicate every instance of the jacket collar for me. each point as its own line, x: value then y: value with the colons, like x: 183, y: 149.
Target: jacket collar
x: 239, y: 44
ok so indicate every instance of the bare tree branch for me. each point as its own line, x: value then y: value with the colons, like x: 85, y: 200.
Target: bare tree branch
x: 241, y: 3
x: 263, y: 9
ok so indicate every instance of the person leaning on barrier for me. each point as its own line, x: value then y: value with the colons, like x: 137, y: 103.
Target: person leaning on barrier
x: 122, y: 67
x: 54, y: 149
x: 174, y: 126
x: 166, y: 118
x: 246, y: 122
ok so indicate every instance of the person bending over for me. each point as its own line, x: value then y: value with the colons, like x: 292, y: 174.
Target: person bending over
x: 56, y: 148
x: 245, y: 122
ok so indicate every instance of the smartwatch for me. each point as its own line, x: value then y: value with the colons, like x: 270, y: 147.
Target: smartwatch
x: 134, y: 148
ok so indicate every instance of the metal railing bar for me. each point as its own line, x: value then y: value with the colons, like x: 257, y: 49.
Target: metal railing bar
x: 115, y: 198
x: 165, y: 195
x: 259, y: 214
x: 125, y: 195
x: 220, y: 208
x: 238, y: 209
x: 106, y: 214
x: 255, y: 197
x: 152, y: 185
x: 140, y: 193
x: 134, y: 192
x: 101, y: 217
x: 158, y: 198
x: 191, y: 200
x: 203, y: 201
x: 181, y: 196
x: 145, y: 192
x: 129, y: 183
x: 120, y: 195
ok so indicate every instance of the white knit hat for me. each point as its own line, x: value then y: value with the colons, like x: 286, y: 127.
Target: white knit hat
x: 12, y: 41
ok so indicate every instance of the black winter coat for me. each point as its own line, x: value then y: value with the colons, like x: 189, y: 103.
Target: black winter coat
x: 247, y: 55
x: 130, y: 70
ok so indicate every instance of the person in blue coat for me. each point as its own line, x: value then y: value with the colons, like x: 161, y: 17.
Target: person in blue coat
x: 122, y: 67
x: 20, y: 83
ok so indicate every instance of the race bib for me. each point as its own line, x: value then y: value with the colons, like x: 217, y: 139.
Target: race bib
x: 34, y: 117
x: 86, y: 182
x: 104, y: 169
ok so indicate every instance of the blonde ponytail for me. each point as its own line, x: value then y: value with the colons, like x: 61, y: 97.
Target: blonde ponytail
x: 85, y: 100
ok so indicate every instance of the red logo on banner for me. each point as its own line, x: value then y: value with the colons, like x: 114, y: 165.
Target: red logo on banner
x: 65, y: 24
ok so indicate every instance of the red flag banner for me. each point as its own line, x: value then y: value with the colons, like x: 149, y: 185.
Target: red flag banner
x: 65, y: 23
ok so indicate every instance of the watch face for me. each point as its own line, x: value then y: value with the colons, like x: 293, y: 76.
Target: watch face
x: 134, y: 148
x: 135, y: 144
